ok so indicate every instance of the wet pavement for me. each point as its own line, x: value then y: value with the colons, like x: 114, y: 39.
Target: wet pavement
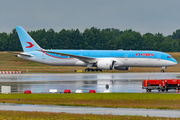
x: 91, y: 110
x: 118, y: 82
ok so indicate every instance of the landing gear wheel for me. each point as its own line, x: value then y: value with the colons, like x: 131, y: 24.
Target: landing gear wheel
x: 89, y: 69
x: 98, y: 70
x: 86, y: 70
x: 148, y: 90
x: 107, y: 86
x: 162, y: 71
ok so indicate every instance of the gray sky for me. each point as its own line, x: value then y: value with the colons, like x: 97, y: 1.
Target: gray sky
x: 143, y: 16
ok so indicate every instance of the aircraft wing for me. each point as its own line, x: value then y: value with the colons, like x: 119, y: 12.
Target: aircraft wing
x: 82, y: 58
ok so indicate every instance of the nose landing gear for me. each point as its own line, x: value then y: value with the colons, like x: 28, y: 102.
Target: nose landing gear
x: 163, y: 69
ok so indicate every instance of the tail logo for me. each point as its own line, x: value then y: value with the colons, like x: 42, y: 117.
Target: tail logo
x: 30, y: 45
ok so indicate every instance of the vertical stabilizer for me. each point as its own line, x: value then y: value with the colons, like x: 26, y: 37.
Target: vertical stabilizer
x: 28, y: 44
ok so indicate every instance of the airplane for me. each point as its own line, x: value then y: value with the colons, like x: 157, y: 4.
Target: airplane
x: 101, y: 59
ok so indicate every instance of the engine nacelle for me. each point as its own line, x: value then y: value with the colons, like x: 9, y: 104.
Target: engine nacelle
x: 121, y: 68
x: 105, y: 64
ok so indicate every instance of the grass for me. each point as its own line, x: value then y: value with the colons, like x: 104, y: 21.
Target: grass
x: 9, y: 62
x: 16, y: 115
x: 113, y: 100
x: 127, y: 100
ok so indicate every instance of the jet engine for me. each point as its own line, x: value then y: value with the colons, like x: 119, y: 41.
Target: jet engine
x: 121, y: 68
x: 105, y: 64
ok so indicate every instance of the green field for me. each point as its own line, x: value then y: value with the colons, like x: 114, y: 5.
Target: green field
x: 114, y: 100
x: 9, y: 62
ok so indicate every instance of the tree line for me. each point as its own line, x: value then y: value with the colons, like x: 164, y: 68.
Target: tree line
x: 94, y: 39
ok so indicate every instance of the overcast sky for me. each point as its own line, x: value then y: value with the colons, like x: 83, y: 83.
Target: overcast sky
x: 143, y: 16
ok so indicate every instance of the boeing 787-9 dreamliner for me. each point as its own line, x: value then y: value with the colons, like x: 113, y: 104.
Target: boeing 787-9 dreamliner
x: 101, y: 59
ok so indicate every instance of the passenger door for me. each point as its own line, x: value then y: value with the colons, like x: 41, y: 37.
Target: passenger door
x: 125, y: 56
x: 158, y: 57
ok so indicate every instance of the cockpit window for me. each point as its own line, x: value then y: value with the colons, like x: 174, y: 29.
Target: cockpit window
x: 169, y: 57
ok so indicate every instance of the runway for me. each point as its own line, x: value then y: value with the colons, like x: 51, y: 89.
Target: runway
x: 118, y: 82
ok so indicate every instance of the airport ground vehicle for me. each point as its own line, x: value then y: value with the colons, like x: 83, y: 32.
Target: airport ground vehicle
x: 161, y: 84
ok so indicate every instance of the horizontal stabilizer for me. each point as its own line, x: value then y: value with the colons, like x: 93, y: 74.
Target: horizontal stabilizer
x: 25, y: 54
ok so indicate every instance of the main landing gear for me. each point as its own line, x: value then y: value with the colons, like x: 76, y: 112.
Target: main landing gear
x: 90, y: 69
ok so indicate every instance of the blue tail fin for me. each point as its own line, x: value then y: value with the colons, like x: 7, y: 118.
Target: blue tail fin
x: 28, y: 44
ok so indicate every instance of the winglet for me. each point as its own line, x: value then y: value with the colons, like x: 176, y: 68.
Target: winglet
x: 28, y: 44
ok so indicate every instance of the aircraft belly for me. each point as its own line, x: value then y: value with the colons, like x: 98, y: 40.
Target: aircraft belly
x: 61, y: 62
x: 143, y: 62
x: 80, y: 63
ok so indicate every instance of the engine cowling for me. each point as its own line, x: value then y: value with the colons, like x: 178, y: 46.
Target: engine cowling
x: 121, y: 68
x: 105, y: 64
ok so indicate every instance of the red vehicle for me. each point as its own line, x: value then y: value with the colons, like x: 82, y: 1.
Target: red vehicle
x: 172, y: 83
x: 162, y: 84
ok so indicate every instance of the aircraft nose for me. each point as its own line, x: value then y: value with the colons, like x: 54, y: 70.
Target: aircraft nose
x: 175, y: 61
x: 172, y: 62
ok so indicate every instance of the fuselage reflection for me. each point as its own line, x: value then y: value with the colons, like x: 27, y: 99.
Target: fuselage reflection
x: 118, y: 82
